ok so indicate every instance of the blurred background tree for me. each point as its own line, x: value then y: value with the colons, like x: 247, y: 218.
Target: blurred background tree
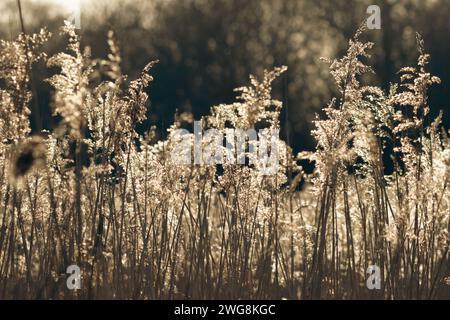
x: 207, y: 48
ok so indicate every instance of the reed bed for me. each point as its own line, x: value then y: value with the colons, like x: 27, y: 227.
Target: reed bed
x: 95, y: 193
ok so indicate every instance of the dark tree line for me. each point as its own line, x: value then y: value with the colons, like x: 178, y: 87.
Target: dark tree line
x: 208, y: 48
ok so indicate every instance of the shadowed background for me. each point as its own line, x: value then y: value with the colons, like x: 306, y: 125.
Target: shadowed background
x: 207, y: 48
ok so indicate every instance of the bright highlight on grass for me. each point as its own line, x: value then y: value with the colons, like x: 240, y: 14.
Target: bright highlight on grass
x: 114, y: 204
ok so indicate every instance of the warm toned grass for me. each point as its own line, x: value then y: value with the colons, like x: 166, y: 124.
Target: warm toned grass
x: 96, y: 194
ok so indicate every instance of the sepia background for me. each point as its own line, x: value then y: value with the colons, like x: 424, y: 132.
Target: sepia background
x: 94, y: 203
x: 207, y: 48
